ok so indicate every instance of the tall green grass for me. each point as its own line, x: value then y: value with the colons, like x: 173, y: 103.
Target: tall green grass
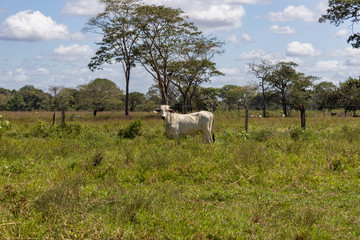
x: 84, y: 181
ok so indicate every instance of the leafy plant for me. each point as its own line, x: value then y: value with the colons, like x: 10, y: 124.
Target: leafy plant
x: 4, y: 124
x: 131, y: 131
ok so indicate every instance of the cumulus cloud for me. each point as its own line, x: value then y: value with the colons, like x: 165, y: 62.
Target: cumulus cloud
x: 328, y: 66
x: 18, y: 75
x: 235, y: 39
x: 34, y: 26
x: 301, y: 49
x: 282, y: 30
x: 82, y: 8
x: 211, y: 15
x: 74, y: 54
x: 218, y: 17
x: 292, y: 13
x: 340, y: 34
x: 351, y: 55
x: 270, y: 56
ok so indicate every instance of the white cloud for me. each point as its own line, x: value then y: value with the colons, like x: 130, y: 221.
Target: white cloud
x: 18, y: 75
x: 211, y: 15
x: 282, y: 30
x: 246, y: 38
x: 301, y: 49
x: 34, y: 26
x: 74, y: 54
x: 328, y: 66
x: 82, y: 8
x: 340, y: 34
x: 291, y: 13
x: 273, y: 57
x: 235, y: 39
x: 218, y: 17
x: 42, y: 71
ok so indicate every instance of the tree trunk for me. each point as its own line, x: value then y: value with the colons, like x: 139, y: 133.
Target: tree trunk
x: 95, y: 111
x: 284, y: 110
x: 54, y: 117
x: 63, y: 117
x: 246, y: 120
x: 264, y: 103
x: 127, y: 76
x: 184, y: 105
x: 302, y: 114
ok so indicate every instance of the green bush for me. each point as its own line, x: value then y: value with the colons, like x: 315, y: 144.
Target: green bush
x: 263, y: 135
x: 4, y: 124
x: 44, y: 130
x: 131, y: 131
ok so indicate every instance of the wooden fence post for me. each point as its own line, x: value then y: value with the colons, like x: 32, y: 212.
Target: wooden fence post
x: 246, y: 120
x: 302, y: 115
x: 63, y: 117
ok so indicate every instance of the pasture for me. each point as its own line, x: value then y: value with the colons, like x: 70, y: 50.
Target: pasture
x: 84, y: 181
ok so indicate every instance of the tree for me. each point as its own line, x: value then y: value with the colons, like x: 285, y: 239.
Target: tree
x: 135, y: 99
x: 191, y: 75
x: 54, y: 91
x: 340, y: 11
x: 16, y: 103
x: 279, y: 79
x: 64, y: 101
x: 33, y: 98
x: 325, y: 96
x: 349, y: 93
x: 195, y: 66
x: 164, y: 34
x: 289, y: 85
x: 260, y: 71
x: 5, y: 96
x: 228, y: 97
x: 100, y: 94
x: 206, y: 99
x: 120, y: 37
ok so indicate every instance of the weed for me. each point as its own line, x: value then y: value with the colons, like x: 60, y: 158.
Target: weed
x: 131, y: 131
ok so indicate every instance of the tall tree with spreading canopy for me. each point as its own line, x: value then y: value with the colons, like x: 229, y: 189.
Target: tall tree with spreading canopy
x: 120, y: 37
x: 340, y: 11
x: 195, y: 66
x: 289, y: 85
x: 165, y: 33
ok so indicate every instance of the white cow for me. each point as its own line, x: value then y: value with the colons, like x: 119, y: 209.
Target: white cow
x: 177, y: 125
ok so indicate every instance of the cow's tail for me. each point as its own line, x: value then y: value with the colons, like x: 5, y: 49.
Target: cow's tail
x: 212, y: 130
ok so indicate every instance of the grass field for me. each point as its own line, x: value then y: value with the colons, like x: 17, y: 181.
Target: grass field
x: 83, y: 181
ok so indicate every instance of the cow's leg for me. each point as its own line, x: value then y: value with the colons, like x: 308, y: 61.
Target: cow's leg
x: 178, y: 139
x: 206, y: 135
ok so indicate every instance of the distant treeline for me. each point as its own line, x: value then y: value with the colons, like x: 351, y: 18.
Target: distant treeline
x: 104, y: 95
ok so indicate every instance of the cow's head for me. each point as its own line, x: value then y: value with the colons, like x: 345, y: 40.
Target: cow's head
x: 164, y: 111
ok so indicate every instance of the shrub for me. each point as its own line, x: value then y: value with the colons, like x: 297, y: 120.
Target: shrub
x: 263, y: 135
x: 45, y: 130
x: 296, y: 133
x: 4, y: 124
x: 131, y: 131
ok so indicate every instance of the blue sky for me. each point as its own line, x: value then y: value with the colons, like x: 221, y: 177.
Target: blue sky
x: 41, y: 42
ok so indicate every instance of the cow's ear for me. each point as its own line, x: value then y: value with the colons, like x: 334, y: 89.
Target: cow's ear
x: 156, y: 110
x: 172, y: 111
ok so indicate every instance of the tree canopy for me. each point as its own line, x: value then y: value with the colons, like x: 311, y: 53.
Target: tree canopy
x: 340, y: 11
